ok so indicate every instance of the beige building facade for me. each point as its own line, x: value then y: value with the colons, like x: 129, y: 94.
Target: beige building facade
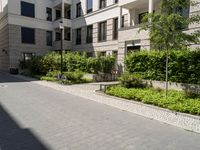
x: 31, y: 27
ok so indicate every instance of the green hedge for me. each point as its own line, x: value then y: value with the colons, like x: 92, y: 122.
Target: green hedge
x: 184, y: 66
x: 72, y: 61
x: 177, y: 101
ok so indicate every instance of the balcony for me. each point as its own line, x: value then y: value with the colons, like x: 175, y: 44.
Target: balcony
x: 66, y: 23
x: 58, y: 2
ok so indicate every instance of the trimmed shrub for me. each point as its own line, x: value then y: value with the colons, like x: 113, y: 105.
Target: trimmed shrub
x: 184, y: 66
x: 72, y: 61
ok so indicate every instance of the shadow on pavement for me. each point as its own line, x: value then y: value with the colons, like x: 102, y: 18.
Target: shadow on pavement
x: 12, y: 137
x: 6, y: 77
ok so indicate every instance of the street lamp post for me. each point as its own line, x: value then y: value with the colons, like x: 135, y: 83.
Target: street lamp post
x: 61, y: 27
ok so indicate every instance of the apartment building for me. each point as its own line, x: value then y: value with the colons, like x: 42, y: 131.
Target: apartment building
x: 31, y: 27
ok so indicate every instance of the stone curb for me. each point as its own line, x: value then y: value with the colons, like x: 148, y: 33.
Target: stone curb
x: 182, y: 120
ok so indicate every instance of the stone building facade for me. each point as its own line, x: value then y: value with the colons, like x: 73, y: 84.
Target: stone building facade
x: 105, y: 26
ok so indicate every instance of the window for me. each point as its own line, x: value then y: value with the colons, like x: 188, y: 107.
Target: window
x: 89, y: 6
x: 78, y: 10
x: 141, y: 17
x: 27, y: 9
x: 67, y: 34
x: 102, y: 4
x: 115, y: 53
x: 115, y: 28
x: 123, y: 21
x: 49, y: 39
x: 68, y: 12
x: 28, y: 56
x: 89, y: 34
x: 102, y: 31
x: 90, y: 54
x: 78, y: 36
x: 184, y: 12
x: 102, y: 53
x: 58, y: 36
x: 58, y: 14
x: 28, y: 35
x: 116, y: 1
x: 49, y: 14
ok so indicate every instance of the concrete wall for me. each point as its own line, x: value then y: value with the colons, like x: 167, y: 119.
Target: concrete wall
x: 17, y: 48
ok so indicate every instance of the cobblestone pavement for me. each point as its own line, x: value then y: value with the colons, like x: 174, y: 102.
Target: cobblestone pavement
x: 35, y: 117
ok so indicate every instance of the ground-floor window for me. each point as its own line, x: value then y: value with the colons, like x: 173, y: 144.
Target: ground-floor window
x: 28, y: 56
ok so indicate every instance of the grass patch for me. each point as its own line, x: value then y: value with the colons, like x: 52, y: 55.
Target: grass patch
x: 176, y: 101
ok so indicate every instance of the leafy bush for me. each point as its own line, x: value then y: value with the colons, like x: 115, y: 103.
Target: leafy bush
x: 131, y: 80
x: 100, y: 64
x: 184, y: 66
x: 176, y: 101
x: 71, y: 62
x: 53, y: 74
x: 74, y: 76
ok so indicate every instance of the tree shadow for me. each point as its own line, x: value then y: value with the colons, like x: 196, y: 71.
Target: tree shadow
x: 12, y: 137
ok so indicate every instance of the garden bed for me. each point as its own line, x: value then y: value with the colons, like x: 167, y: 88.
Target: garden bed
x: 176, y: 100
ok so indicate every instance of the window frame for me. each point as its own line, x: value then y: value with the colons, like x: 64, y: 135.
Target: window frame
x: 101, y: 6
x: 89, y: 38
x: 24, y: 39
x: 27, y: 13
x: 78, y: 37
x: 78, y: 10
x: 102, y: 35
x: 49, y: 42
x: 115, y: 28
x: 49, y: 18
x: 91, y: 9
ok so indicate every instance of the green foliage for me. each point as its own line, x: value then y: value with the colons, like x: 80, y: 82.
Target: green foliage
x: 53, y: 74
x: 74, y: 76
x: 72, y: 61
x: 176, y: 101
x: 52, y: 79
x: 131, y: 80
x: 100, y: 64
x: 184, y: 66
x: 167, y: 24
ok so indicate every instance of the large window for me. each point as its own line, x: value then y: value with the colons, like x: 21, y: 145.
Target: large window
x: 58, y: 14
x: 184, y: 12
x: 49, y: 38
x: 102, y: 31
x: 58, y: 36
x: 115, y: 28
x: 78, y: 10
x: 89, y: 6
x: 67, y: 34
x: 28, y: 35
x: 27, y: 9
x: 102, y: 4
x: 89, y: 34
x: 78, y: 36
x: 49, y: 14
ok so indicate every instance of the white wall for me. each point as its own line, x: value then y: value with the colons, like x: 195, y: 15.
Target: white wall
x: 3, y: 8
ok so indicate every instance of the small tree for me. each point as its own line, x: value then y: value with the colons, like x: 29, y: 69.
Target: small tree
x: 166, y: 27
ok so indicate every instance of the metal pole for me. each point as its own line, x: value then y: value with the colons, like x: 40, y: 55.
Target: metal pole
x: 61, y: 53
x: 167, y: 61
